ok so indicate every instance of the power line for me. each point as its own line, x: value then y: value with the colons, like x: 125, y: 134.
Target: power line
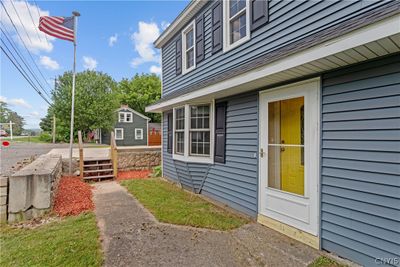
x: 29, y: 53
x: 26, y: 78
x: 37, y: 9
x: 33, y: 22
x: 22, y: 59
x: 26, y: 32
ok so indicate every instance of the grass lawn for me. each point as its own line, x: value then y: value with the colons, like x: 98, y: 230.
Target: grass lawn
x: 325, y: 262
x: 73, y: 241
x: 25, y: 139
x: 171, y: 204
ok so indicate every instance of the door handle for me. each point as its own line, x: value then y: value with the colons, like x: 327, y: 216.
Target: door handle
x: 282, y: 147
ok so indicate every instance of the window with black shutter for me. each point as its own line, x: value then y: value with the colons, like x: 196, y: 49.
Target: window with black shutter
x: 217, y: 27
x: 220, y: 132
x: 178, y: 56
x: 169, y: 132
x: 259, y: 13
x: 199, y: 38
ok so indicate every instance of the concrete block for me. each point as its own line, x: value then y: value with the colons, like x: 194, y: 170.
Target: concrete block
x: 3, y: 216
x: 3, y: 181
x: 3, y: 200
x: 3, y: 191
x: 31, y: 187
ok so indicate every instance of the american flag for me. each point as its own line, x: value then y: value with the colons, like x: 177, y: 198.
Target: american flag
x: 60, y: 27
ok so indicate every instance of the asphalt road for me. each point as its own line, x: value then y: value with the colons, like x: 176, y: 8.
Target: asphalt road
x: 18, y: 151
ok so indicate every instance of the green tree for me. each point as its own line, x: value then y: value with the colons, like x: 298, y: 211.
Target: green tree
x: 95, y: 103
x: 46, y: 123
x: 7, y: 115
x: 139, y: 92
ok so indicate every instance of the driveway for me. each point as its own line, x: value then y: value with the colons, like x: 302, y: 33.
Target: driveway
x: 131, y: 236
x: 18, y: 151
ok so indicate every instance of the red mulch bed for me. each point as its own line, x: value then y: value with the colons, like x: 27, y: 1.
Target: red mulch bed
x: 128, y: 175
x: 73, y: 197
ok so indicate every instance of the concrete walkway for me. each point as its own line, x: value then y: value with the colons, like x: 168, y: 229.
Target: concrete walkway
x: 131, y: 236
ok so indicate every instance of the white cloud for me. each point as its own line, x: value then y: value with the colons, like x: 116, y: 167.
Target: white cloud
x: 49, y: 63
x: 15, y: 102
x: 35, y: 114
x: 155, y: 69
x: 164, y: 24
x: 34, y: 39
x: 112, y: 40
x: 89, y: 63
x: 143, y: 42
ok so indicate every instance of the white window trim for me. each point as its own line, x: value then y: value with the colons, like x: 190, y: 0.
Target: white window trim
x: 124, y: 117
x: 137, y: 130
x: 186, y: 156
x: 122, y: 133
x: 192, y: 25
x: 226, y: 27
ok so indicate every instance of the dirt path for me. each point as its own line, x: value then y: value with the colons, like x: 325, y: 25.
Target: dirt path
x: 131, y: 236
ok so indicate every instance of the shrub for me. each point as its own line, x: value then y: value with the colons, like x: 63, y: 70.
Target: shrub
x: 45, y: 137
x: 157, y: 171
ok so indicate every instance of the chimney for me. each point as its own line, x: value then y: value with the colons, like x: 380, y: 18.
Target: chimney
x: 124, y: 106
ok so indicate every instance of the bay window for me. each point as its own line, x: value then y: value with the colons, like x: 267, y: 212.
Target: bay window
x: 199, y: 132
x: 180, y: 130
x: 193, y: 133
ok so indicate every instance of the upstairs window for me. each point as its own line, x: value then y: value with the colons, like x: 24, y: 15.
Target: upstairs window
x: 236, y: 23
x: 188, y: 48
x: 125, y: 117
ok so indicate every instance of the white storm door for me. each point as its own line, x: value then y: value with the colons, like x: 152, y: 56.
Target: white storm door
x: 289, y: 155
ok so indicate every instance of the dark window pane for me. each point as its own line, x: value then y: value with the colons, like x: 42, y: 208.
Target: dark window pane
x: 238, y: 28
x: 189, y: 39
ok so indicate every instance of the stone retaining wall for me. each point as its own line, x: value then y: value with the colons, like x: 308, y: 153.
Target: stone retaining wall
x: 138, y: 158
x: 3, y: 198
x: 32, y: 189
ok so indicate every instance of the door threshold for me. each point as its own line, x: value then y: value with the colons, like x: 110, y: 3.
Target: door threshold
x: 290, y: 231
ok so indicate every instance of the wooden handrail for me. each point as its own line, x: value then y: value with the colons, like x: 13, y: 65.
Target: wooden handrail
x: 114, y: 154
x: 80, y: 144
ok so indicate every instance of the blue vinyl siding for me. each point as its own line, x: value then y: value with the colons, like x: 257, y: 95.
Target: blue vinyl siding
x: 235, y: 182
x: 289, y: 21
x: 360, y: 217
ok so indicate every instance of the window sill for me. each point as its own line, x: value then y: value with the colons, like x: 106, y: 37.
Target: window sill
x: 188, y: 70
x: 193, y: 159
x: 228, y: 47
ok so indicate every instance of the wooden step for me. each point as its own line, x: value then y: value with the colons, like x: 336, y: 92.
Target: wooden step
x: 96, y: 159
x: 97, y: 165
x: 99, y: 177
x: 98, y: 170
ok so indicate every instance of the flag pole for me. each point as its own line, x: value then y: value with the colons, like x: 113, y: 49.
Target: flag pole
x: 71, y: 137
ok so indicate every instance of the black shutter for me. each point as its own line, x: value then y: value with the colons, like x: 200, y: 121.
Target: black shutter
x: 169, y: 132
x: 259, y: 13
x: 178, y: 56
x: 199, y: 39
x: 217, y: 27
x: 220, y: 132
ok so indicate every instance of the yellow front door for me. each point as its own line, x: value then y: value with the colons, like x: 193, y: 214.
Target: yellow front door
x: 292, y: 139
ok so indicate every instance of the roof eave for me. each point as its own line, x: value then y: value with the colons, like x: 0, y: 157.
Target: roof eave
x: 184, y: 17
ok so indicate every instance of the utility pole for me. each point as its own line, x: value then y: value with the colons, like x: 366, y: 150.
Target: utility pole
x: 54, y: 116
x: 11, y: 130
x: 54, y: 129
